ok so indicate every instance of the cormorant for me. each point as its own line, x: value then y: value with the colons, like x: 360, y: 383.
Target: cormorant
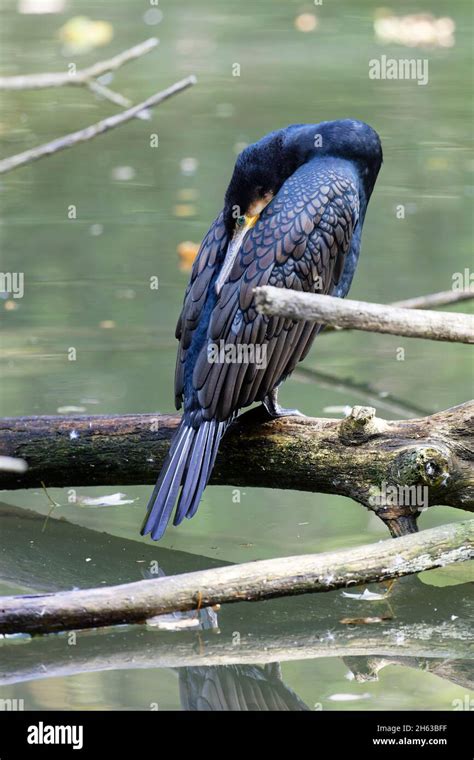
x: 292, y: 218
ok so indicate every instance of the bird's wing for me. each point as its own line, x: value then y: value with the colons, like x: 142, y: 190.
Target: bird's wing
x: 299, y: 242
x: 205, y: 265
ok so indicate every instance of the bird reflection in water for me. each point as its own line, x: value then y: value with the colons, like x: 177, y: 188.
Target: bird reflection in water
x: 226, y: 687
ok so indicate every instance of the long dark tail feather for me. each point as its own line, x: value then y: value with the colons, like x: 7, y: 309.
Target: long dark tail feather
x: 188, y: 464
x: 207, y: 466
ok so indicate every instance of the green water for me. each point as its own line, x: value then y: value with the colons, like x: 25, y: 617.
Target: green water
x: 86, y: 273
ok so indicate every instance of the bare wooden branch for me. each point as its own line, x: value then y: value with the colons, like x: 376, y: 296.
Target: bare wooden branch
x: 115, y: 97
x: 82, y: 135
x: 431, y: 301
x: 250, y: 581
x: 395, y: 468
x: 81, y: 77
x: 360, y: 315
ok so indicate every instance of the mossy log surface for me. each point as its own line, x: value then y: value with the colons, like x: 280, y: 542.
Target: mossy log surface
x: 371, y: 460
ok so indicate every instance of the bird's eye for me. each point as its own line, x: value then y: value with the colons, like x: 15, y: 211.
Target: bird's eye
x: 240, y: 220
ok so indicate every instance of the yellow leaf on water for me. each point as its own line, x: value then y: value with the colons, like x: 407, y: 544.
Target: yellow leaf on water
x: 81, y: 34
x: 184, y: 209
x: 187, y: 252
x: 187, y: 194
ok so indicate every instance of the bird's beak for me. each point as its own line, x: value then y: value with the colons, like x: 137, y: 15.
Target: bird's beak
x: 250, y: 221
x: 233, y: 249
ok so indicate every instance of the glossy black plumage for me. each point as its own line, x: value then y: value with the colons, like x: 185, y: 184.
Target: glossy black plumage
x: 306, y: 238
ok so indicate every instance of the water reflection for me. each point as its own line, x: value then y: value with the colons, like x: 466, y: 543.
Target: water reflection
x: 228, y: 659
x: 136, y: 207
x: 238, y: 688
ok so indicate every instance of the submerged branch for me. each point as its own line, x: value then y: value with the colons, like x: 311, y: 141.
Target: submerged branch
x: 365, y: 391
x: 250, y: 581
x: 360, y: 315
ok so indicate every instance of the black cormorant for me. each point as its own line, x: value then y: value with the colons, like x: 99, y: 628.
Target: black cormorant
x: 292, y: 218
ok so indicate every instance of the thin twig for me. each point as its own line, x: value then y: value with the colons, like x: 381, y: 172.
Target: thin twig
x: 81, y: 77
x: 366, y: 391
x: 249, y: 581
x: 82, y: 135
x: 361, y: 315
x: 105, y: 92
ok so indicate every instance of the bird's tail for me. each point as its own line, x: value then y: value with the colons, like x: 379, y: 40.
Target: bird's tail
x: 188, y: 464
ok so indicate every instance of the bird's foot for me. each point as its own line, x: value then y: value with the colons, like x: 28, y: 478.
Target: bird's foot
x: 274, y: 409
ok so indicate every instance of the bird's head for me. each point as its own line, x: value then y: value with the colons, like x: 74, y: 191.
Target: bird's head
x: 259, y: 172
x: 262, y: 168
x: 347, y: 139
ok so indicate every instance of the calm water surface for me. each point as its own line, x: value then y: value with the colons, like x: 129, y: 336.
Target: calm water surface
x: 87, y: 287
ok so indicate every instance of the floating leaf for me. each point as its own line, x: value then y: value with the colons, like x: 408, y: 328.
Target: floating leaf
x: 187, y: 252
x: 451, y: 575
x: 183, y: 210
x: 81, y: 34
x: 366, y: 620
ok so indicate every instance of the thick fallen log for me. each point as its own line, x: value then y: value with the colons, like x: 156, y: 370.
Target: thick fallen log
x: 250, y: 581
x: 395, y: 468
x: 361, y: 315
